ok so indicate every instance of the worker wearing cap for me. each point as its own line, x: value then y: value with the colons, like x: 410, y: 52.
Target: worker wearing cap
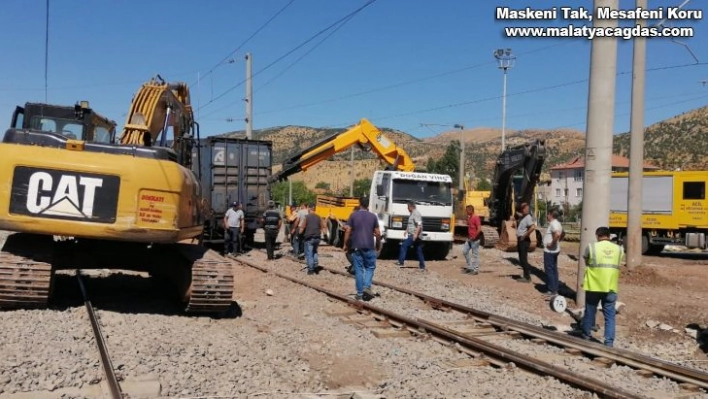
x: 602, y: 263
x: 234, y: 226
x: 272, y: 222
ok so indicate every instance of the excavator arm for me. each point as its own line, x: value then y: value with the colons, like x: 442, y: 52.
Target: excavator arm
x: 526, y: 158
x: 157, y: 107
x: 364, y: 134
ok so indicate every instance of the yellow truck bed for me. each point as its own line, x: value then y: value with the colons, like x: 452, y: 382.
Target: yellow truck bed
x: 338, y: 208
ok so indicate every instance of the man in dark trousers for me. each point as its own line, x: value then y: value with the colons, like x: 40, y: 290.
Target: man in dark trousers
x: 525, y: 227
x: 413, y: 233
x: 272, y: 222
x: 310, y: 230
x: 234, y: 225
x: 363, y: 228
x: 601, y: 280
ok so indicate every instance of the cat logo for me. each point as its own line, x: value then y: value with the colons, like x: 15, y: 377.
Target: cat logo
x: 64, y: 195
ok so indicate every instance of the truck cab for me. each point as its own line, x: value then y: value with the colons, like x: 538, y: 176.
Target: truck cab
x: 390, y: 193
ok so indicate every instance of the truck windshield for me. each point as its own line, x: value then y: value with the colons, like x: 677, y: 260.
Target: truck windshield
x: 422, y: 192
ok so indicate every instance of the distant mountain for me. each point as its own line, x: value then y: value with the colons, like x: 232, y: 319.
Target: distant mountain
x: 677, y: 142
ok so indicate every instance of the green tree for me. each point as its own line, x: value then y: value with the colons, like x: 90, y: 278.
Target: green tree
x: 448, y: 164
x: 322, y: 185
x: 301, y: 194
x: 484, y: 185
x: 362, y: 187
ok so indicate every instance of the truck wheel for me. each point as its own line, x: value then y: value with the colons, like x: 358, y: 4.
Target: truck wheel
x: 439, y: 251
x: 655, y: 249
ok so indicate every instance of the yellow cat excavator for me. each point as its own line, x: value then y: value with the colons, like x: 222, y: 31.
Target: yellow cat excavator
x: 79, y: 197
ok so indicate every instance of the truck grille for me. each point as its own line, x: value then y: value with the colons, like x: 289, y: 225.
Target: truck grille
x: 430, y: 224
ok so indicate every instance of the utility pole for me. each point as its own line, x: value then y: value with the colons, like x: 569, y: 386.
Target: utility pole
x: 462, y: 157
x: 636, y: 149
x: 598, y: 139
x: 351, y: 173
x: 46, y: 54
x: 506, y: 61
x: 249, y: 98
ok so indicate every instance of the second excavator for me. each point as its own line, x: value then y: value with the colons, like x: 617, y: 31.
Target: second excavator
x: 517, y: 171
x: 78, y: 197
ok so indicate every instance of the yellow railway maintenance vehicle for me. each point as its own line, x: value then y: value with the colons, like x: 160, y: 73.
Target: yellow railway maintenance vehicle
x: 79, y: 197
x: 674, y: 209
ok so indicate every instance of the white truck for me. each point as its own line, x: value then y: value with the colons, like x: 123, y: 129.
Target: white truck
x: 390, y: 192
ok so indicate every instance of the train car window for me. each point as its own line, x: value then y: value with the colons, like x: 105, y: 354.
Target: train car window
x: 694, y: 190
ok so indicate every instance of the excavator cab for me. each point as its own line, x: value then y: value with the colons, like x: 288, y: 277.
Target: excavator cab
x: 79, y: 122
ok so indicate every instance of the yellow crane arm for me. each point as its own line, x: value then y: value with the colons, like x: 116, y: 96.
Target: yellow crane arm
x: 157, y: 106
x: 364, y: 134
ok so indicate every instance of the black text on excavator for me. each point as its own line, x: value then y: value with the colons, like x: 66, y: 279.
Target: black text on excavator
x: 125, y: 202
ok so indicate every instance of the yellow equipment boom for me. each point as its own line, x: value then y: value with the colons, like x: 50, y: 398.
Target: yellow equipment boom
x: 364, y: 134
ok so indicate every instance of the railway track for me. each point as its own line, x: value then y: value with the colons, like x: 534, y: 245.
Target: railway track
x: 108, y: 370
x: 488, y: 338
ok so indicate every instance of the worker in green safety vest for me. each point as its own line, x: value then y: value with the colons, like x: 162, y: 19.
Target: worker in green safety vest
x: 602, y: 263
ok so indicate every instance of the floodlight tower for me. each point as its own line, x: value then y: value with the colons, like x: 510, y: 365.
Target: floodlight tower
x: 506, y: 62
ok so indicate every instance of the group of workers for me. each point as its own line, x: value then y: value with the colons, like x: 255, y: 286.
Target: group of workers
x: 362, y: 239
x: 602, y: 261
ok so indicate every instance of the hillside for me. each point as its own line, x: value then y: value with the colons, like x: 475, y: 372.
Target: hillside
x: 673, y: 143
x: 678, y: 142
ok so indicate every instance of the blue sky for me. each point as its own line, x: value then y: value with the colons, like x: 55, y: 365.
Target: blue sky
x: 399, y: 63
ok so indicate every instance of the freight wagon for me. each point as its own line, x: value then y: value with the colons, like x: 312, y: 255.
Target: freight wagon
x: 230, y: 170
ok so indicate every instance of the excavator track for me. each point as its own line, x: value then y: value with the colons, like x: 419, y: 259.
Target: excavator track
x: 26, y: 277
x: 212, y: 282
x: 491, y: 236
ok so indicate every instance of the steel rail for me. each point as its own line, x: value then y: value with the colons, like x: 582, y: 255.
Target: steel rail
x: 657, y: 366
x: 110, y: 374
x: 491, y: 350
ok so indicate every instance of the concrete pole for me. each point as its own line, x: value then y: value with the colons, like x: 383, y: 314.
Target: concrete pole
x: 636, y: 149
x: 462, y: 158
x: 46, y: 55
x: 290, y: 192
x: 249, y: 98
x: 598, y: 140
x: 351, y: 173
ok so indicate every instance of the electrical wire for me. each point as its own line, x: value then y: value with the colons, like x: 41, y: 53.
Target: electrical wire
x: 539, y: 89
x: 384, y: 88
x: 404, y: 83
x: 245, y: 41
x: 304, y: 55
x: 232, y: 88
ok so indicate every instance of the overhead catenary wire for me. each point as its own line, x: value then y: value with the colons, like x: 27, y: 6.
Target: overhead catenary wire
x: 496, y: 97
x: 263, y: 26
x: 305, y: 54
x: 387, y: 87
x: 313, y: 37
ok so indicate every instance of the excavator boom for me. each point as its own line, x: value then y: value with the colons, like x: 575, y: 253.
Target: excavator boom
x: 364, y: 134
x: 525, y: 158
x: 156, y: 108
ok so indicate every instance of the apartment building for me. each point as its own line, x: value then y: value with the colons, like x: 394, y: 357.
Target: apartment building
x: 567, y: 180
